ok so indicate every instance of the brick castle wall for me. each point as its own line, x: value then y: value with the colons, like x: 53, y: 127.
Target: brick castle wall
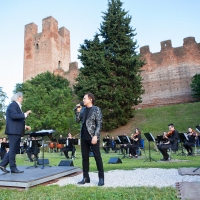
x: 167, y: 74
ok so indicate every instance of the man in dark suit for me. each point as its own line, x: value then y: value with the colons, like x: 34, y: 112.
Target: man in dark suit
x: 91, y: 120
x: 172, y: 142
x: 15, y: 127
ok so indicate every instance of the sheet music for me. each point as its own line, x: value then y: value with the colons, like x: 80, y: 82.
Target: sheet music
x: 186, y: 136
x: 118, y: 139
x: 152, y: 137
x: 198, y: 128
x: 128, y: 139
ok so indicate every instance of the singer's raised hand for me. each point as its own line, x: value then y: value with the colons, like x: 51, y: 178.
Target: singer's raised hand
x: 78, y: 107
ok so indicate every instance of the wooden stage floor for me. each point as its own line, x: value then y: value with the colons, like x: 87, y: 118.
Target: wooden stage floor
x: 35, y: 175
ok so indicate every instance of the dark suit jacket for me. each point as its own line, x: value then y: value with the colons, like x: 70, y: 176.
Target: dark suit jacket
x: 93, y: 121
x: 15, y: 123
x: 174, y: 140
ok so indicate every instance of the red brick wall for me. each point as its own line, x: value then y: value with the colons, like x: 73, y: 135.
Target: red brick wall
x: 167, y: 74
x: 45, y: 51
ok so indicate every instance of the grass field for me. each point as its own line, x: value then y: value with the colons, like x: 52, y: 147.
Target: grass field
x: 154, y: 120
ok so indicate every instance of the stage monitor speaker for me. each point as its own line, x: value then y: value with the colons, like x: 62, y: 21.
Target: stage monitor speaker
x: 114, y: 160
x: 66, y: 163
x: 40, y: 161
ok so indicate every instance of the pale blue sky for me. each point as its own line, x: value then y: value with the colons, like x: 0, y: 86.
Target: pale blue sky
x: 154, y: 20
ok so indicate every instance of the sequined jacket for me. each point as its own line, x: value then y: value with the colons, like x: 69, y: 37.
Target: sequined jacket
x: 93, y: 121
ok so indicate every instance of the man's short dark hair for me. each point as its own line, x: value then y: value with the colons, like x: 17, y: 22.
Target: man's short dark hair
x: 91, y: 96
x: 172, y: 125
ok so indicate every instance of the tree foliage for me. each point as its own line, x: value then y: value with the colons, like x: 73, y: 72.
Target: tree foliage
x: 112, y: 68
x: 195, y: 85
x: 2, y: 107
x: 50, y: 99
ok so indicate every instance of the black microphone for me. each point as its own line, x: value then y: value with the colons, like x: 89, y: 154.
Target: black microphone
x: 81, y: 104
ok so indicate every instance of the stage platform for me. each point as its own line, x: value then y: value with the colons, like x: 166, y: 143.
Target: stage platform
x: 35, y: 175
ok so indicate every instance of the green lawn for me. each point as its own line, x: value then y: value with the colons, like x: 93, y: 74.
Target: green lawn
x: 154, y: 120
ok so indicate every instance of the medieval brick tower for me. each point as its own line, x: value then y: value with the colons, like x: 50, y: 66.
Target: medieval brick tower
x: 48, y: 50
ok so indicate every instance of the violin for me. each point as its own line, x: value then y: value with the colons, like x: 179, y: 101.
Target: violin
x: 169, y: 133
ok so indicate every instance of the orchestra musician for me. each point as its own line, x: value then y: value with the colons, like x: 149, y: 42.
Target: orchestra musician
x: 191, y: 141
x: 33, y: 150
x: 3, y: 149
x: 135, y: 143
x: 69, y: 147
x: 110, y: 144
x: 171, y: 142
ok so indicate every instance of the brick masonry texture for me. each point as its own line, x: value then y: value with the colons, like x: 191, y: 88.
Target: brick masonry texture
x: 167, y: 74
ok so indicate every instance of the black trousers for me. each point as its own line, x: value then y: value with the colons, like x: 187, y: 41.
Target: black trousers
x: 33, y: 151
x: 67, y: 149
x: 14, y: 143
x: 163, y: 149
x: 132, y: 149
x: 85, y: 149
x: 188, y: 146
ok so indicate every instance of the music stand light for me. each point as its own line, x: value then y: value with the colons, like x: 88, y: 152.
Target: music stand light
x: 149, y: 138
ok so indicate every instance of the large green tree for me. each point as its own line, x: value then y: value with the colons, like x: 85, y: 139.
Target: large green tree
x: 195, y: 85
x: 2, y: 107
x: 112, y: 67
x: 50, y: 99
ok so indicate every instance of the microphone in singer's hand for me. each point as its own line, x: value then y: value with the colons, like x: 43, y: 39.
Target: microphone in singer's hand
x: 81, y: 104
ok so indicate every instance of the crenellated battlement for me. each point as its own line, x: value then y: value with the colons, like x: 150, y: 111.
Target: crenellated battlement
x: 167, y: 74
x: 48, y: 50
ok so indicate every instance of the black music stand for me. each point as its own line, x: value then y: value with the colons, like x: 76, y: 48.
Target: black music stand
x: 42, y: 134
x: 149, y: 138
x: 182, y: 138
x: 35, y: 144
x: 4, y: 145
x: 123, y: 139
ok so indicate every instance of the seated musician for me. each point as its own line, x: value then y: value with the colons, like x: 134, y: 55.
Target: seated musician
x: 110, y: 144
x: 3, y: 149
x: 69, y: 147
x: 33, y: 150
x: 171, y: 142
x: 135, y: 143
x: 191, y: 141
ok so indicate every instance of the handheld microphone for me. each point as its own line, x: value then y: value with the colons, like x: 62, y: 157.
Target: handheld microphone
x: 81, y: 104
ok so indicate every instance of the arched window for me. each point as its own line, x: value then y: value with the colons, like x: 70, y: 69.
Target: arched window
x: 59, y: 64
x: 37, y: 46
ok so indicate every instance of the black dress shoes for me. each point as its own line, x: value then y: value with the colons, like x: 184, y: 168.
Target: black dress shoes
x: 16, y: 171
x: 4, y: 169
x: 85, y: 180
x: 101, y: 182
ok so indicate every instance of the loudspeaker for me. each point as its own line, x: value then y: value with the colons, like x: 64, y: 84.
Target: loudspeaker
x: 40, y: 161
x: 66, y: 163
x: 114, y: 161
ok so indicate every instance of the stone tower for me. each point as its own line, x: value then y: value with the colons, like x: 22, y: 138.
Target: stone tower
x: 45, y: 51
